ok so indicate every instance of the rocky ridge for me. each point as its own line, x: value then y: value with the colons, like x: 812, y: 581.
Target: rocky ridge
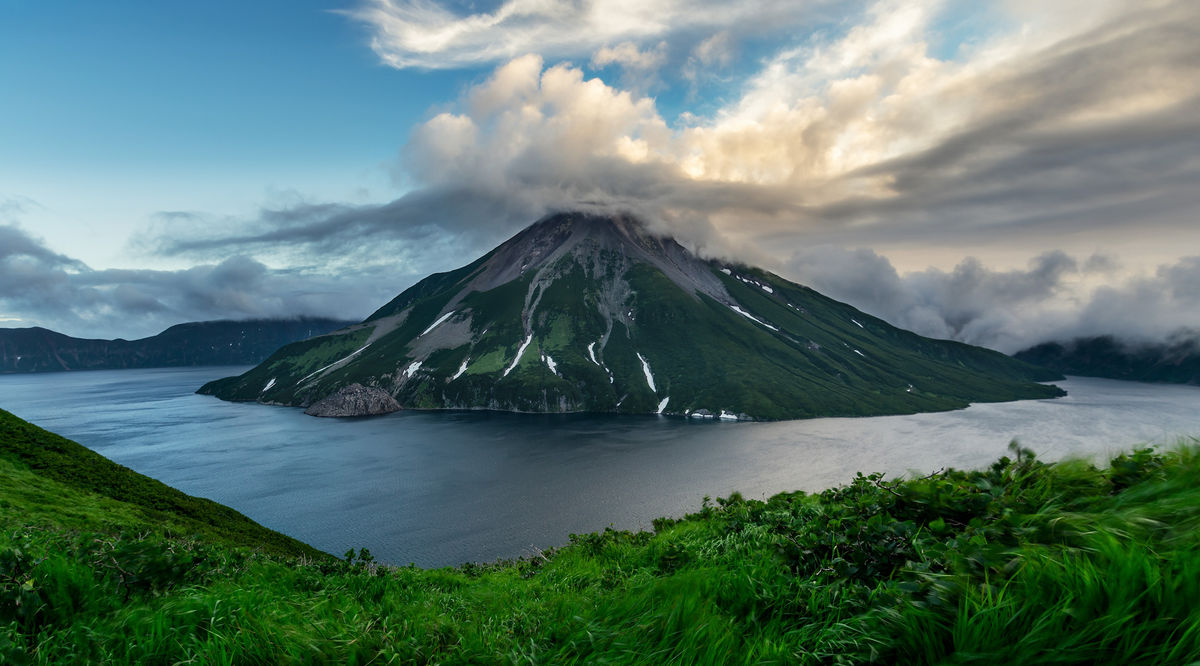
x: 354, y: 400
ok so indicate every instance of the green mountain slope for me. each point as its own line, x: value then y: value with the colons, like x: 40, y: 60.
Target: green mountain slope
x: 589, y: 313
x: 1019, y: 563
x: 192, y: 344
x: 48, y: 480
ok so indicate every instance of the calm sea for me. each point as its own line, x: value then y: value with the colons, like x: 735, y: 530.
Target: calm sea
x: 439, y: 488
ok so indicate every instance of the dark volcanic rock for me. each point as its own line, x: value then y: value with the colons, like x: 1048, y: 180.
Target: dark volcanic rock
x: 354, y: 400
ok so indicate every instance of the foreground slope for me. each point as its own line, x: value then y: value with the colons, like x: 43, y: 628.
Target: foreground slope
x: 48, y: 480
x: 193, y: 344
x: 1016, y: 564
x: 590, y: 313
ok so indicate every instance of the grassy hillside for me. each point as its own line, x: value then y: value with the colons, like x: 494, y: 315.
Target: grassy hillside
x: 1023, y: 562
x: 49, y: 481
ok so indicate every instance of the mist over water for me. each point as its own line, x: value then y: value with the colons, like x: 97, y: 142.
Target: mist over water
x: 439, y: 488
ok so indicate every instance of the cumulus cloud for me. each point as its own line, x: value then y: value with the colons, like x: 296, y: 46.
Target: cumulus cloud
x: 1079, y: 128
x: 1009, y: 310
x: 1068, y: 121
x: 1063, y: 122
x: 425, y: 34
x: 55, y: 291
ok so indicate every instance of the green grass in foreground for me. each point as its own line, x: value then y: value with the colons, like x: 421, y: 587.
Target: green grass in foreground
x: 1020, y: 563
x: 49, y: 481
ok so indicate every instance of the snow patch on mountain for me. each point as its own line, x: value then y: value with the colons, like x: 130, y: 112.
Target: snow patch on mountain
x: 751, y: 317
x: 520, y: 352
x: 646, y: 369
x: 435, y: 324
x: 340, y: 360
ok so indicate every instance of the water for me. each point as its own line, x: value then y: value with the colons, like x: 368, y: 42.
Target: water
x: 438, y: 488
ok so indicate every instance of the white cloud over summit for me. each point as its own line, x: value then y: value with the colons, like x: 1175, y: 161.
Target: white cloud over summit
x: 924, y: 130
x: 1088, y: 123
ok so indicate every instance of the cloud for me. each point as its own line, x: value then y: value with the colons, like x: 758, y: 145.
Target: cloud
x: 627, y: 55
x: 716, y: 50
x: 712, y: 55
x: 639, y: 68
x: 865, y: 133
x: 424, y: 34
x: 1058, y: 124
x: 1067, y: 121
x: 428, y: 230
x: 1053, y: 299
x: 39, y: 287
x: 1147, y: 308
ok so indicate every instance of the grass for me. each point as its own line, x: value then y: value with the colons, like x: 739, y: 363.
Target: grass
x: 1023, y: 562
x: 53, y: 482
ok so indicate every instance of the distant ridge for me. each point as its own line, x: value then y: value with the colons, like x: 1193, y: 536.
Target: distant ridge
x: 1176, y: 361
x: 592, y: 313
x: 224, y: 342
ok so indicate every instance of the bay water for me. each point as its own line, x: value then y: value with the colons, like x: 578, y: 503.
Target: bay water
x: 442, y: 488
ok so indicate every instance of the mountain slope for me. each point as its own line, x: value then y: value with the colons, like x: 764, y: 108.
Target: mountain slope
x: 589, y: 313
x: 47, y: 480
x: 192, y: 344
x: 1176, y: 361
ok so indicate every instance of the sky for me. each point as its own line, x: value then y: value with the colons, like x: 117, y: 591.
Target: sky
x: 1001, y: 173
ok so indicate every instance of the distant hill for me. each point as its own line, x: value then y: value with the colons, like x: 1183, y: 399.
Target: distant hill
x: 1176, y: 362
x: 198, y: 343
x: 596, y: 313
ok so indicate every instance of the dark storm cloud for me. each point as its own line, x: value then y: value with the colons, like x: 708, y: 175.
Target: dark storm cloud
x: 20, y: 251
x: 425, y: 231
x: 1068, y: 157
x: 48, y: 289
x: 1009, y: 310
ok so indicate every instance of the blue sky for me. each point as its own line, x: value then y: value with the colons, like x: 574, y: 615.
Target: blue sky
x: 202, y: 86
x: 117, y: 110
x: 168, y: 161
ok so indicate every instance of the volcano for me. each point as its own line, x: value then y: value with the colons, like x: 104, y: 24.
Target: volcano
x: 594, y: 313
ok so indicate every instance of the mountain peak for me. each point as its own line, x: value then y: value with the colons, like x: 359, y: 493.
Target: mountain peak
x: 588, y: 312
x: 595, y: 238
